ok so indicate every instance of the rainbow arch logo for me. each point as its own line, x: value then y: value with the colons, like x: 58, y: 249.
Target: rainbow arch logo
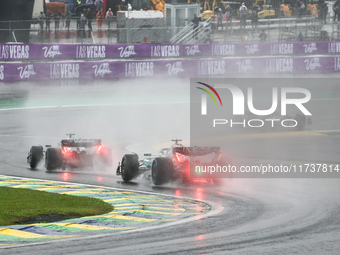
x: 209, y: 93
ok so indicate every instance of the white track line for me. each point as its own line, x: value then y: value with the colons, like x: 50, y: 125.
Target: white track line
x: 86, y: 105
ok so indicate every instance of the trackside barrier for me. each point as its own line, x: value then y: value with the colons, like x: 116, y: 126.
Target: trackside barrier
x: 14, y: 52
x: 221, y: 67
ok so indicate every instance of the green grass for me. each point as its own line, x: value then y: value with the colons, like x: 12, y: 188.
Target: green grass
x: 19, y: 206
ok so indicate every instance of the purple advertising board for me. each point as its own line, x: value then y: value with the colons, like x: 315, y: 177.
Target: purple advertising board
x: 102, y: 52
x: 15, y: 71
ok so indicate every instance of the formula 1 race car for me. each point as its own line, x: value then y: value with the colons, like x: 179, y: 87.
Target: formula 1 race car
x: 171, y: 164
x: 74, y: 153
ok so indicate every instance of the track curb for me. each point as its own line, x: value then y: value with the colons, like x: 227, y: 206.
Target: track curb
x: 133, y: 210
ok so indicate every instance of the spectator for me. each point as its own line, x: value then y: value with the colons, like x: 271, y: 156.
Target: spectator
x: 302, y: 7
x: 196, y: 20
x: 91, y: 5
x: 56, y: 20
x: 263, y: 36
x: 82, y: 22
x: 68, y: 20
x: 228, y: 15
x: 100, y: 18
x: 109, y: 18
x: 41, y: 18
x: 48, y: 21
x: 323, y: 10
x: 219, y: 18
x: 78, y: 14
x: 254, y: 16
x: 207, y: 30
x: 89, y: 17
x: 216, y: 10
x: 336, y: 9
x: 99, y: 5
x: 300, y: 37
x: 243, y: 15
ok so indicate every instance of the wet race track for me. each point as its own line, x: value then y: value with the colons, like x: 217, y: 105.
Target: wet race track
x: 246, y: 216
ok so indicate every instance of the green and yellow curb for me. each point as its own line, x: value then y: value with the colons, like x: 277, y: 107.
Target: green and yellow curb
x: 132, y: 210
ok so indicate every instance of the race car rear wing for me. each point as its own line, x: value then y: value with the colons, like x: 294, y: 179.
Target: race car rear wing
x: 80, y: 142
x: 195, y: 151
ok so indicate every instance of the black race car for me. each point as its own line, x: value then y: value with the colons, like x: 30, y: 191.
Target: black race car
x: 71, y: 152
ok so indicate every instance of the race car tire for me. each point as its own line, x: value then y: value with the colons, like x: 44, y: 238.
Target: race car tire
x: 217, y: 181
x: 36, y: 154
x: 162, y: 171
x: 129, y: 167
x: 53, y: 159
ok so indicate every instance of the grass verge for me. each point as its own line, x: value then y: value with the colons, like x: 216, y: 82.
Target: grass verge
x: 19, y: 206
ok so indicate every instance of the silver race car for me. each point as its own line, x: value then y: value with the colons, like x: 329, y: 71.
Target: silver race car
x: 171, y: 164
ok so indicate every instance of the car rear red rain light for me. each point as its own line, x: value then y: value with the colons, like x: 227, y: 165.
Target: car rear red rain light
x: 65, y: 150
x: 178, y: 157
